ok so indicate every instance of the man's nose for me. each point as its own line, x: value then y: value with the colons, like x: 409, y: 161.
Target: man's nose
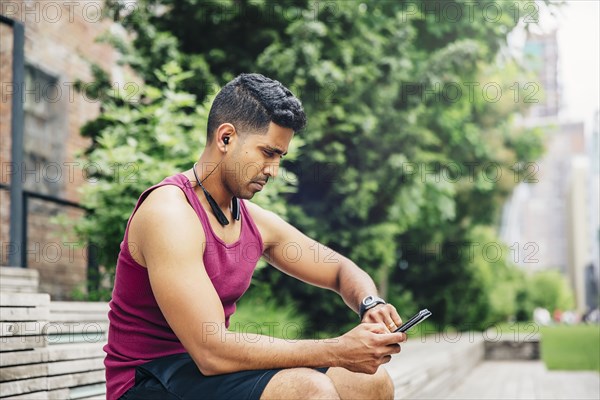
x: 271, y: 169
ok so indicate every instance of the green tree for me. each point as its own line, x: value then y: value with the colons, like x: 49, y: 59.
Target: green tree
x: 393, y: 159
x: 393, y: 162
x: 136, y: 143
x: 550, y: 290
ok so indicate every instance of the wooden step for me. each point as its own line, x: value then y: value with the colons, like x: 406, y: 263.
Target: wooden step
x: 51, y: 350
x: 428, y: 364
x: 19, y: 280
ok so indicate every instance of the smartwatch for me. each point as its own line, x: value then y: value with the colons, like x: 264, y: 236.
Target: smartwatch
x: 367, y: 303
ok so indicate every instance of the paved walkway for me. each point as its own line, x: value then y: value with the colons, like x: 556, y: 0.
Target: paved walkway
x: 453, y: 368
x: 525, y: 380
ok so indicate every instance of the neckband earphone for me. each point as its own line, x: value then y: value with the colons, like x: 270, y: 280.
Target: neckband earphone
x: 235, y: 202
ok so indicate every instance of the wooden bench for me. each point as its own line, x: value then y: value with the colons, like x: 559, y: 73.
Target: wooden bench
x: 23, y: 345
x: 19, y: 280
x: 51, y: 350
x: 76, y: 334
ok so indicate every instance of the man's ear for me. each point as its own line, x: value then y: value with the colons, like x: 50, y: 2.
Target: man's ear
x: 225, y: 135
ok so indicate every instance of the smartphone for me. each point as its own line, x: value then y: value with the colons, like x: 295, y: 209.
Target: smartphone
x: 418, y: 318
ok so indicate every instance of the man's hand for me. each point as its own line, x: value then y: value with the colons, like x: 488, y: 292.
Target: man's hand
x: 385, y: 314
x: 367, y: 346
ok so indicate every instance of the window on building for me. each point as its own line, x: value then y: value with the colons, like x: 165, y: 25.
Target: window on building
x: 44, y: 132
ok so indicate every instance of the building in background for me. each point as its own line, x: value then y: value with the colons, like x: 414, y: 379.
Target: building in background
x: 592, y: 273
x: 60, y: 45
x: 552, y: 217
x: 541, y: 56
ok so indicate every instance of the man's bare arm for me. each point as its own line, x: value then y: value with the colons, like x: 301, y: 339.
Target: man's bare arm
x: 172, y: 248
x: 296, y: 254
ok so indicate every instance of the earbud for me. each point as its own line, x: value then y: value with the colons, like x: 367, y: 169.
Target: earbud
x: 226, y: 140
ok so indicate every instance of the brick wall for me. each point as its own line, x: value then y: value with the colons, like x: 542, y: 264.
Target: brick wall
x: 60, y: 41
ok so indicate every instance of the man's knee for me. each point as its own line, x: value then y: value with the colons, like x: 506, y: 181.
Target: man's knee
x: 381, y: 385
x: 300, y: 383
x: 353, y: 385
x: 319, y: 386
x: 377, y: 386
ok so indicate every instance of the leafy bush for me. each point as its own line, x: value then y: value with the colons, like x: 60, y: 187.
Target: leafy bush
x: 550, y: 290
x: 260, y: 314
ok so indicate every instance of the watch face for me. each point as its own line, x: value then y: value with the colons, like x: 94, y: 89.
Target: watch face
x: 368, y: 300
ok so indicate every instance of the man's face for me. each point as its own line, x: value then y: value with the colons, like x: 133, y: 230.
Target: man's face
x: 255, y: 159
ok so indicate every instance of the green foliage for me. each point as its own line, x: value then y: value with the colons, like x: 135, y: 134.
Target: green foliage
x: 550, y: 290
x: 139, y: 143
x: 259, y: 314
x: 383, y: 155
x: 391, y: 165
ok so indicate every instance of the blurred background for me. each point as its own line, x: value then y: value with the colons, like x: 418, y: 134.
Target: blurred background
x: 451, y: 149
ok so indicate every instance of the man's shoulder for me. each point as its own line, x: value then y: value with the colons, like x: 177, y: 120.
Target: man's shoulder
x: 166, y: 203
x: 258, y: 213
x: 166, y: 192
x: 268, y: 222
x: 163, y: 215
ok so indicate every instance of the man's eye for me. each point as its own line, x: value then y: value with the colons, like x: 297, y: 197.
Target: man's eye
x: 268, y: 153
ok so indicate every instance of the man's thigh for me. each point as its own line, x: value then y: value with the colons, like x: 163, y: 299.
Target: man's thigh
x: 337, y: 383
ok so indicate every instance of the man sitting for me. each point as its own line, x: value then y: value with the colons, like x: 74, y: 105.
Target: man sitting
x: 188, y: 254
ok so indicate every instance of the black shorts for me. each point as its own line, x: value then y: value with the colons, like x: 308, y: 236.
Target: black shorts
x: 178, y: 377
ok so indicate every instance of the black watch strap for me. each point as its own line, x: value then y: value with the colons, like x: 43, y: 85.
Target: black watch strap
x: 367, y: 303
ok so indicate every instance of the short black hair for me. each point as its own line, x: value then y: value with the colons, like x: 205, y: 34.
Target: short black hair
x: 251, y: 101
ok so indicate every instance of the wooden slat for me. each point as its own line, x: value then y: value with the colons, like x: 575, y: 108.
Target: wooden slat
x: 90, y: 337
x: 57, y: 352
x: 36, y: 396
x: 50, y: 369
x: 18, y: 280
x: 74, y: 306
x: 23, y: 372
x: 73, y: 351
x: 30, y: 356
x: 78, y: 317
x: 24, y: 314
x: 6, y: 281
x: 75, y: 366
x: 89, y: 328
x: 17, y: 271
x: 88, y: 392
x: 23, y: 386
x: 24, y: 299
x: 60, y: 394
x: 50, y: 383
x: 20, y: 328
x: 19, y: 289
x: 79, y: 379
x: 22, y: 342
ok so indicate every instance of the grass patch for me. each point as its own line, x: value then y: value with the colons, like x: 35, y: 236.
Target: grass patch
x: 563, y: 347
x: 255, y: 315
x: 571, y: 347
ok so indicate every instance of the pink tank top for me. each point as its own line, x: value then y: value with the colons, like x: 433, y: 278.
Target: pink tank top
x: 229, y: 267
